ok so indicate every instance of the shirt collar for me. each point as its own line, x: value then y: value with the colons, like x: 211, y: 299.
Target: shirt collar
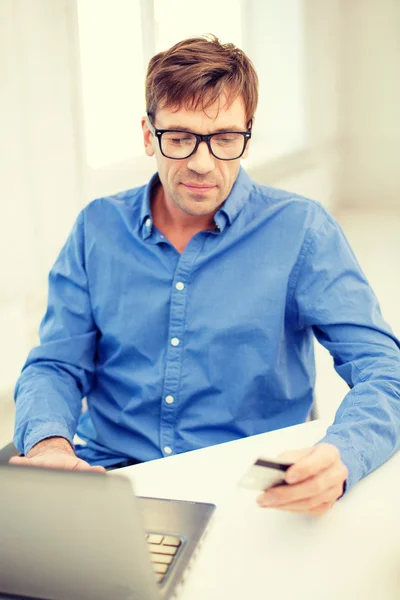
x: 145, y: 219
x: 225, y: 216
x: 232, y: 206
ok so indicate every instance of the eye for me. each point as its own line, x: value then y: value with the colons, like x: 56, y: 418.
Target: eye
x: 225, y: 140
x: 178, y: 139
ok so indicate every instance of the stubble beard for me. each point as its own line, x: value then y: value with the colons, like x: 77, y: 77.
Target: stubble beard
x: 204, y: 208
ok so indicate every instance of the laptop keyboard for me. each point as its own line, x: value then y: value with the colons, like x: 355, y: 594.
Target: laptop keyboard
x: 163, y: 550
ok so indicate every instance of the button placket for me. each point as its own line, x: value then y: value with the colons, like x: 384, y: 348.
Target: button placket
x: 176, y: 334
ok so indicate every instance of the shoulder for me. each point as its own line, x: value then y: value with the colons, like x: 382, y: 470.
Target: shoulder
x: 122, y: 205
x: 304, y: 213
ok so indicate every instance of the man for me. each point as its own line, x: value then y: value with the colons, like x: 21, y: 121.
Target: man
x: 184, y: 310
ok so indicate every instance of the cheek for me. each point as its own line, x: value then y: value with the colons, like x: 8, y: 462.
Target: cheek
x: 229, y: 173
x: 166, y: 169
x: 168, y: 172
x: 159, y: 161
x: 174, y: 170
x: 174, y: 166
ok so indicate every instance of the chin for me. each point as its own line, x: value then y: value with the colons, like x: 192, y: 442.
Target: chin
x: 199, y: 212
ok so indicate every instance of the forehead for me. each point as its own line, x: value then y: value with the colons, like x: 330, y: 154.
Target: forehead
x: 221, y: 114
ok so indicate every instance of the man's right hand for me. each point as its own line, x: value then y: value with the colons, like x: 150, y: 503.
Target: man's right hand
x: 54, y: 453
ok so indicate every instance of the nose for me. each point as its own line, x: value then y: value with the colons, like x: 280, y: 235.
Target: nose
x: 202, y: 161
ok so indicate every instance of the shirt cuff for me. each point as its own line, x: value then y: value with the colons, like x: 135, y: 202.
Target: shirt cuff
x: 41, y: 432
x: 348, y: 456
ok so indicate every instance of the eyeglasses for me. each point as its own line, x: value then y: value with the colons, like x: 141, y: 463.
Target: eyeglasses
x: 178, y: 145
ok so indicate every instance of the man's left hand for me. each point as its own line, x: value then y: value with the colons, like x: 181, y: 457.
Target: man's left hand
x: 316, y: 481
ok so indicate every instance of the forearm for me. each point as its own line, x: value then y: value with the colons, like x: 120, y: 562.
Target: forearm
x: 53, y: 443
x: 48, y: 405
x: 367, y: 426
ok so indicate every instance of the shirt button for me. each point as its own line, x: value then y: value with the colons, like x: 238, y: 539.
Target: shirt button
x: 179, y: 286
x: 148, y: 222
x: 167, y: 450
x: 175, y: 342
x: 169, y: 399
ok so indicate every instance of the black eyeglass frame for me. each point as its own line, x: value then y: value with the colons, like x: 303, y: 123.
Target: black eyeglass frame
x: 199, y: 138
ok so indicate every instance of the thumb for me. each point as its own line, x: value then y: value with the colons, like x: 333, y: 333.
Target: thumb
x: 99, y: 469
x: 18, y: 460
x: 82, y: 465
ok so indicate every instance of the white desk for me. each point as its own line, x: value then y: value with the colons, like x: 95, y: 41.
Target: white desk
x: 351, y: 553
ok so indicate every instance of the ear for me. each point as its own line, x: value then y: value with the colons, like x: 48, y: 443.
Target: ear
x: 147, y: 138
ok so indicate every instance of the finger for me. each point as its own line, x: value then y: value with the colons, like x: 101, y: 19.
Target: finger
x: 19, y: 460
x: 315, y: 512
x: 329, y: 496
x: 313, y: 487
x: 319, y: 459
x: 82, y: 465
x: 321, y: 510
x: 98, y: 469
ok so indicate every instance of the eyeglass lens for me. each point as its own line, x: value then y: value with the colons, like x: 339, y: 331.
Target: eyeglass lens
x: 176, y: 144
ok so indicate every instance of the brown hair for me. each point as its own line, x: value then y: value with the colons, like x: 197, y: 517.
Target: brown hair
x: 196, y: 71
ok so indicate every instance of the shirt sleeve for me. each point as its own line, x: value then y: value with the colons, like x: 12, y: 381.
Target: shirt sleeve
x: 333, y: 296
x: 59, y: 372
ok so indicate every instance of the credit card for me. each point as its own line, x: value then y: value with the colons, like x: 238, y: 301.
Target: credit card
x: 264, y: 473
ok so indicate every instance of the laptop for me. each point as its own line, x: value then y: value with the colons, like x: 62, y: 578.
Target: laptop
x: 86, y: 536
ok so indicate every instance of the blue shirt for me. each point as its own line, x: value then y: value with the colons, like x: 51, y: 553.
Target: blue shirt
x: 180, y: 351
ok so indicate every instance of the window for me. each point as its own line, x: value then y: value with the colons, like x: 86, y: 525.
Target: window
x: 180, y: 19
x: 112, y: 79
x: 276, y: 46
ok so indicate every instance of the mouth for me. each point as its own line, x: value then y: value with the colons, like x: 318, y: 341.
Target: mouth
x: 198, y: 188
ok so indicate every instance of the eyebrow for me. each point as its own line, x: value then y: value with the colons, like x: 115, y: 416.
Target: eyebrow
x: 220, y: 130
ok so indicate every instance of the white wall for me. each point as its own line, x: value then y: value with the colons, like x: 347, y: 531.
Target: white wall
x: 312, y: 167
x: 370, y: 104
x: 41, y: 185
